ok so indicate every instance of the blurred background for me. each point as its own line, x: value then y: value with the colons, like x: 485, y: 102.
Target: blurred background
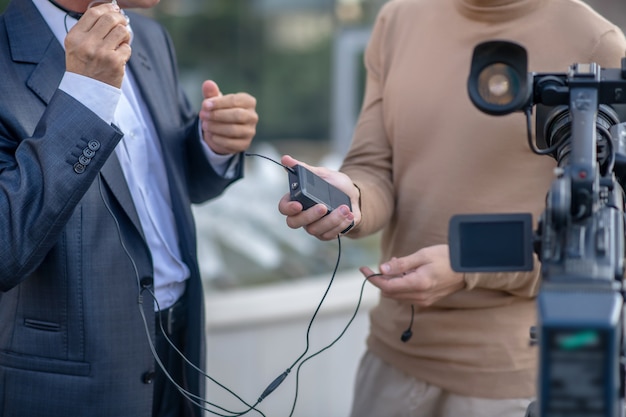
x: 302, y: 60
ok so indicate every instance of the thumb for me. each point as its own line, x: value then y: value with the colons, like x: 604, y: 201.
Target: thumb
x: 289, y: 161
x: 394, y: 266
x: 210, y: 89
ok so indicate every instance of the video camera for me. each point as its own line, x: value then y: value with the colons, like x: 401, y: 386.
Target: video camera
x: 579, y: 238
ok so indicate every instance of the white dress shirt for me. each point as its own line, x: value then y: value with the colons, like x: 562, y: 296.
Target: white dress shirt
x: 140, y: 156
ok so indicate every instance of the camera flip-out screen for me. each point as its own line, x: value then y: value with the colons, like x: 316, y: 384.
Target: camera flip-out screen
x: 491, y: 242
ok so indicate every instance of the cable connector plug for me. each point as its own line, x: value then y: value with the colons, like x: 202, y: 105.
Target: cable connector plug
x: 275, y: 383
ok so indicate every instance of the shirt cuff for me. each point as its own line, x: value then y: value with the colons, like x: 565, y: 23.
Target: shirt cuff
x: 225, y: 165
x: 99, y: 97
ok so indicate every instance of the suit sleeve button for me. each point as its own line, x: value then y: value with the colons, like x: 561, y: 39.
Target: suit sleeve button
x: 94, y: 145
x: 84, y: 160
x: 79, y: 168
x: 88, y: 153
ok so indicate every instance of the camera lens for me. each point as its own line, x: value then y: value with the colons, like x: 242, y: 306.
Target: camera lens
x: 498, y: 84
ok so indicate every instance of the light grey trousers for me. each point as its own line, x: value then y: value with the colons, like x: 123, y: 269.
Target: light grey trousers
x: 383, y: 391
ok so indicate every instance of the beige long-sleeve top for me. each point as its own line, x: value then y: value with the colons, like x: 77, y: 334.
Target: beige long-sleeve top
x: 422, y: 152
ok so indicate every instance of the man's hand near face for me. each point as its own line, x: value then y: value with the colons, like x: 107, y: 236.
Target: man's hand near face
x: 98, y: 46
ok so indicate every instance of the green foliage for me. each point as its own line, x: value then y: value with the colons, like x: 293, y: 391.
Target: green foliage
x: 227, y: 43
x: 295, y: 95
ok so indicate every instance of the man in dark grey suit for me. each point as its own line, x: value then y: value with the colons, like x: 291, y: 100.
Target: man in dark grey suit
x: 101, y: 157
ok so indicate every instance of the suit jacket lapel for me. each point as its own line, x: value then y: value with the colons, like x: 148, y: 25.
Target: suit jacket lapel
x: 114, y: 177
x: 146, y: 79
x: 33, y: 42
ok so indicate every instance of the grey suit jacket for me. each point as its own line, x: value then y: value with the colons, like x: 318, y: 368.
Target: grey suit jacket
x: 73, y: 260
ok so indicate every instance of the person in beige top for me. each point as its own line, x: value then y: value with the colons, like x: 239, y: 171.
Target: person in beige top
x: 421, y: 152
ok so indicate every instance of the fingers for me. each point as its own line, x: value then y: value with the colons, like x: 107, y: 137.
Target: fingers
x: 316, y: 220
x: 368, y: 273
x: 287, y: 207
x: 297, y: 217
x: 227, y: 140
x: 390, y: 286
x: 401, y: 278
x: 236, y: 122
x: 399, y: 266
x: 98, y: 46
x: 393, y: 285
x: 423, y: 277
x: 229, y: 101
x: 330, y: 225
x: 412, y: 287
x: 228, y: 122
x: 231, y: 108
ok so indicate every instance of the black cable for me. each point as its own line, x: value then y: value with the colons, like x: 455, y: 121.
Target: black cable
x: 188, y: 395
x: 270, y: 159
x: 276, y: 383
x: 529, y: 136
x: 278, y: 380
x: 119, y: 231
x: 68, y: 12
x: 197, y: 400
x: 201, y: 372
x: 356, y: 310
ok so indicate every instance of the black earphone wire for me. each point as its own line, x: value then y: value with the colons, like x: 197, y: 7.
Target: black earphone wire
x: 277, y: 381
x: 188, y: 395
x: 356, y: 310
x: 271, y: 160
x: 282, y: 376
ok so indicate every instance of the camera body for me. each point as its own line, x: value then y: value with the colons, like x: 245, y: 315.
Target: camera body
x: 580, y: 236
